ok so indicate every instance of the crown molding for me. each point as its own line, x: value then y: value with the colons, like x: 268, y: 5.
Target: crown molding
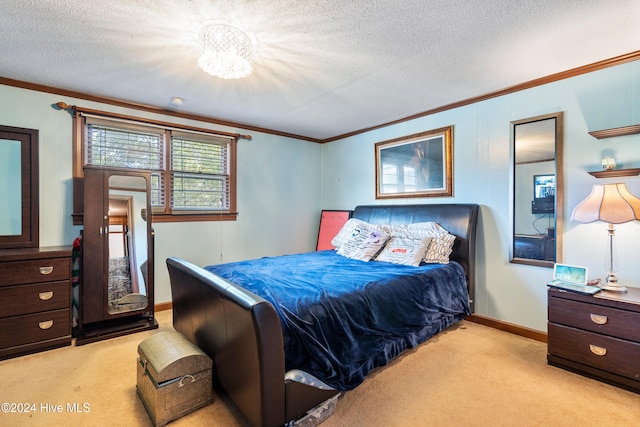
x: 607, y: 63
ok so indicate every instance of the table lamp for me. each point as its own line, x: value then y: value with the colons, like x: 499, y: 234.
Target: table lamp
x: 614, y: 204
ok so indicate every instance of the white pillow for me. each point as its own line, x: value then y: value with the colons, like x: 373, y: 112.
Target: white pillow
x: 347, y: 230
x: 363, y: 243
x: 432, y: 228
x: 441, y: 244
x: 404, y: 251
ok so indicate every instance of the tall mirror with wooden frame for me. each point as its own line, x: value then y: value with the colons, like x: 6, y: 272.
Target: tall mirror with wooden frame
x: 19, y: 210
x: 537, y: 190
x: 116, y: 296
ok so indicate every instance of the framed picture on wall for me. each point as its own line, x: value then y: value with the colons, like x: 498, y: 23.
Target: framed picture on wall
x: 418, y: 165
x: 331, y: 221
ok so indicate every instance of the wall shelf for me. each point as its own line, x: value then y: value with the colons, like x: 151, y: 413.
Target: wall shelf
x: 621, y: 131
x: 616, y: 173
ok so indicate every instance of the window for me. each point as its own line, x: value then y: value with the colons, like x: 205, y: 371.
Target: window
x: 111, y: 144
x: 192, y: 170
x: 200, y: 173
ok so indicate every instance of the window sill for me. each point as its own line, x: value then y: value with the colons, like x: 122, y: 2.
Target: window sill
x: 225, y: 216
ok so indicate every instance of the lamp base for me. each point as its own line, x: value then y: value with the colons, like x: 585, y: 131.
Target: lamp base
x: 613, y: 287
x: 612, y: 279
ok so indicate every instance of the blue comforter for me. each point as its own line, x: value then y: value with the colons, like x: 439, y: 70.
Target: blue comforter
x: 341, y: 318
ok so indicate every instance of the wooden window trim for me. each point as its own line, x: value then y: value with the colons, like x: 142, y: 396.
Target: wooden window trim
x: 166, y: 215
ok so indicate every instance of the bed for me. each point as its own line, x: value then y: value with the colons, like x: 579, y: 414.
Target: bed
x: 539, y: 246
x: 255, y: 345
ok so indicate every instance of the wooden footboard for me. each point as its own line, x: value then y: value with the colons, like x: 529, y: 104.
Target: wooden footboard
x: 240, y: 331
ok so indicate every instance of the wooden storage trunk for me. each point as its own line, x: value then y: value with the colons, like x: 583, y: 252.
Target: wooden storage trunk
x: 174, y: 377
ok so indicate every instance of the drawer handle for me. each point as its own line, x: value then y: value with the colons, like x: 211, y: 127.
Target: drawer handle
x: 46, y: 270
x: 599, y: 319
x: 598, y: 351
x: 44, y: 296
x: 46, y: 325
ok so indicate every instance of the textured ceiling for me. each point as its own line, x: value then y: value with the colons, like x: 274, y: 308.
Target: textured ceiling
x: 323, y: 68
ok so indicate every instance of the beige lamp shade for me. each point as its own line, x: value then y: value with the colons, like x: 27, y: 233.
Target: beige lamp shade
x: 611, y: 203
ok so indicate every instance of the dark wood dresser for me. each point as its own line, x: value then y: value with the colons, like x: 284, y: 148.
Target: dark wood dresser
x: 597, y: 336
x: 35, y: 299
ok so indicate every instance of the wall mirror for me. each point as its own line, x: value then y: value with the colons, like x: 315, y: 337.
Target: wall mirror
x: 537, y: 190
x: 19, y: 210
x: 128, y: 244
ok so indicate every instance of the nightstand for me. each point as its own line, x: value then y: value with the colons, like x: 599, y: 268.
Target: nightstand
x: 596, y: 336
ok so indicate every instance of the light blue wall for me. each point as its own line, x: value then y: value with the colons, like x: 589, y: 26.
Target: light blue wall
x: 482, y: 157
x: 278, y: 190
x: 283, y: 184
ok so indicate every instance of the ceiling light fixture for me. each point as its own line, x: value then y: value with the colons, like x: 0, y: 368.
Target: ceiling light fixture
x: 225, y: 51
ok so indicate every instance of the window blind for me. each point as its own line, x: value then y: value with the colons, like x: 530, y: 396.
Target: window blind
x: 200, y: 173
x: 109, y: 146
x: 127, y: 146
x: 191, y: 173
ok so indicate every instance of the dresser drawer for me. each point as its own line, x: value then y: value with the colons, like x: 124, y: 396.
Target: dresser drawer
x: 26, y: 299
x: 20, y: 330
x: 595, y: 318
x: 34, y: 271
x: 609, y: 354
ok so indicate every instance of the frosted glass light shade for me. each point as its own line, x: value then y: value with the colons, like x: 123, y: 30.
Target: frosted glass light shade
x: 225, y: 51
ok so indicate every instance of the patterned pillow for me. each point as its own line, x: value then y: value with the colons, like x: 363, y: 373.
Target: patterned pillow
x: 363, y: 244
x: 347, y: 230
x: 440, y: 249
x: 404, y: 251
x: 441, y: 244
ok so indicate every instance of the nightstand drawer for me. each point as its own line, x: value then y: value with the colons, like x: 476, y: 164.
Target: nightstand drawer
x: 606, y: 353
x: 26, y: 299
x: 20, y: 330
x: 34, y: 271
x: 595, y: 318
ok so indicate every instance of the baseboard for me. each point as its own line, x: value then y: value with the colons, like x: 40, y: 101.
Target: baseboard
x: 163, y: 306
x: 508, y: 327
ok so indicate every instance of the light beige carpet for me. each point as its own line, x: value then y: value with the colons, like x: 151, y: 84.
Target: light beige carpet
x: 469, y: 375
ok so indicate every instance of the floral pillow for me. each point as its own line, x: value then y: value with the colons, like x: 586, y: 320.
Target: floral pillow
x: 404, y: 251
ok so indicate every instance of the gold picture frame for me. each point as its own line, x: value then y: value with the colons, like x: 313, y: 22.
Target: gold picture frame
x: 418, y: 165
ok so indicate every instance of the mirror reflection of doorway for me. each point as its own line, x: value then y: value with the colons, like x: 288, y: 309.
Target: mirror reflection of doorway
x: 126, y: 285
